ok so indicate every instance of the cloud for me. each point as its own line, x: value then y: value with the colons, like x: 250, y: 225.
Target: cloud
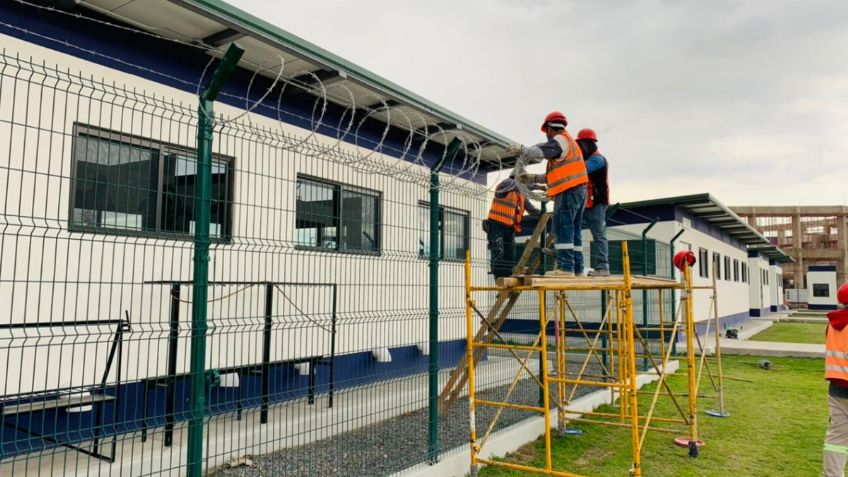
x: 733, y: 95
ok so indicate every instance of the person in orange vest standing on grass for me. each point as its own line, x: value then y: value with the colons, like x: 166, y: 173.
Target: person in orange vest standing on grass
x: 504, y: 222
x: 566, y: 180
x: 597, y: 200
x: 836, y: 372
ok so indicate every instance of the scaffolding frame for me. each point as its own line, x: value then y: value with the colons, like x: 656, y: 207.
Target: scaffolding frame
x: 619, y: 375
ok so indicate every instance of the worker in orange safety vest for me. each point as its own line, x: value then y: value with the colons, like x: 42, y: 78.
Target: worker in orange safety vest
x: 566, y: 180
x: 836, y: 372
x: 504, y: 221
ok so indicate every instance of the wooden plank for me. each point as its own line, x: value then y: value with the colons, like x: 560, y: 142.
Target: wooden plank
x: 60, y: 403
x: 599, y: 283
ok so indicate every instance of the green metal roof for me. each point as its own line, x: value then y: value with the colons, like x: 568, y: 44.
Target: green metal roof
x: 709, y: 209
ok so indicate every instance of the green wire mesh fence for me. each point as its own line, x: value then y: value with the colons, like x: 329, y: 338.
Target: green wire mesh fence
x: 317, y: 346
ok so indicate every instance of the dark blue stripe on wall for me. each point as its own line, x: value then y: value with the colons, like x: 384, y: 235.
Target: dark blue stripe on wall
x: 755, y: 312
x: 668, y: 213
x: 183, y: 63
x: 821, y: 268
x: 821, y: 307
x: 774, y: 308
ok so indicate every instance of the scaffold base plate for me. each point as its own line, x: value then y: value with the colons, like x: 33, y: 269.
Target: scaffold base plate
x: 684, y: 442
x: 717, y: 413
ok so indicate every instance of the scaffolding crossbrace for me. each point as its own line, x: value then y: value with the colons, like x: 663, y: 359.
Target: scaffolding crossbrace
x: 613, y: 345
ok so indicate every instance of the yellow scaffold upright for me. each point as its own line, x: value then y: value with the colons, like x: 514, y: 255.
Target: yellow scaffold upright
x: 614, y: 344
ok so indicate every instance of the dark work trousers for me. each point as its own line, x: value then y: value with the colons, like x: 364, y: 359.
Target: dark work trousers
x: 502, y: 244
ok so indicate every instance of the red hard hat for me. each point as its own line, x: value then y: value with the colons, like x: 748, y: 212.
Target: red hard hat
x: 842, y: 294
x: 554, y: 117
x: 683, y: 258
x: 587, y: 133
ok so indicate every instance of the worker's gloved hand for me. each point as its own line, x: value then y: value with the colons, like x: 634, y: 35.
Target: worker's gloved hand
x: 537, y: 186
x: 525, y: 179
x: 514, y: 149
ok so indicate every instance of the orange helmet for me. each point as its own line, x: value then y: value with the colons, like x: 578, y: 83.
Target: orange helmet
x: 554, y: 118
x: 842, y: 294
x: 587, y: 133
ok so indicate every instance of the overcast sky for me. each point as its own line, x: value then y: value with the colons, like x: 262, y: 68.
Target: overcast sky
x: 745, y: 99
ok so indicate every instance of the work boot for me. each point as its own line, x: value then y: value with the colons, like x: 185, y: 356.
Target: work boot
x: 600, y: 272
x: 557, y: 273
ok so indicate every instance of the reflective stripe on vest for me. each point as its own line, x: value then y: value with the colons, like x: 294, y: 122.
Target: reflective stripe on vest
x: 836, y: 354
x: 508, y: 210
x: 569, y: 170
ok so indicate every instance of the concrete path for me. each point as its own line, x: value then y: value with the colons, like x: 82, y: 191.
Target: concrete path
x: 743, y: 346
x: 771, y: 348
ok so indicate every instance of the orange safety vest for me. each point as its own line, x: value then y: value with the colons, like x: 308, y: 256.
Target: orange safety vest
x: 836, y: 354
x: 568, y: 171
x: 504, y: 210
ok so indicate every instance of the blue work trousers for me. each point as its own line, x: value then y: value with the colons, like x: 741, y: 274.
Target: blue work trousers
x: 596, y: 219
x: 568, y: 223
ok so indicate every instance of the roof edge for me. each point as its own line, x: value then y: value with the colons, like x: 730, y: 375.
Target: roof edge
x: 240, y: 19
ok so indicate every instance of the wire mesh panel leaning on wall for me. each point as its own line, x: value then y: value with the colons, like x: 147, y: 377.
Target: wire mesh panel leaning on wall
x: 317, y: 344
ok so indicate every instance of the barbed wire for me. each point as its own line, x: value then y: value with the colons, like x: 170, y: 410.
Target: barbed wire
x: 374, y: 159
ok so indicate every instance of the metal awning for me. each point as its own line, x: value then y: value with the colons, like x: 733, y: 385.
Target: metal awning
x: 216, y: 24
x: 707, y: 208
x: 773, y: 252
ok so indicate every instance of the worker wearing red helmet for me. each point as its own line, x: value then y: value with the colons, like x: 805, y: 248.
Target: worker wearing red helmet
x: 566, y: 179
x: 595, y: 216
x: 836, y: 372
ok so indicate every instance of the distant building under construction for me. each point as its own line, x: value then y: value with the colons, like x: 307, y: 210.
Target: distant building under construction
x: 815, y: 236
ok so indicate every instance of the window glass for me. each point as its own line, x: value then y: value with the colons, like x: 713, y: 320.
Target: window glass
x: 115, y: 185
x: 821, y: 290
x: 317, y: 213
x: 455, y: 230
x: 453, y: 235
x: 336, y: 217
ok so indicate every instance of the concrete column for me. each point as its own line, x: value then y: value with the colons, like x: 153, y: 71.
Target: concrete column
x: 797, y: 250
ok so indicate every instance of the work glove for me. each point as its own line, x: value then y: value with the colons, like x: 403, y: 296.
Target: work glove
x: 514, y: 149
x: 525, y: 179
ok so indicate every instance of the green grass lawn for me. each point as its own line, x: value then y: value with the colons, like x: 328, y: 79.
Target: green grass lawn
x: 776, y: 428
x: 792, y: 333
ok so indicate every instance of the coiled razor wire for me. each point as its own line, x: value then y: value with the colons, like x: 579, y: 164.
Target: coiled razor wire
x: 380, y: 158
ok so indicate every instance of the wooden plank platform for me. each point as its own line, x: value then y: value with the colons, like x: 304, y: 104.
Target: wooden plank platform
x: 612, y: 282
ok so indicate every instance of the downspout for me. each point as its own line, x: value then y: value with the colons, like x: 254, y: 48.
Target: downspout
x: 435, y: 249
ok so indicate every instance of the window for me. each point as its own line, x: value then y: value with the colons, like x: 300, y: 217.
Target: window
x: 765, y: 277
x: 337, y: 217
x: 735, y: 270
x: 128, y: 185
x: 821, y: 290
x: 717, y: 265
x: 703, y: 264
x: 744, y: 272
x: 727, y: 268
x: 454, y: 232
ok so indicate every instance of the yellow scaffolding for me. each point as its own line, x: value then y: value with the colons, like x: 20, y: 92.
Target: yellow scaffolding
x: 624, y: 342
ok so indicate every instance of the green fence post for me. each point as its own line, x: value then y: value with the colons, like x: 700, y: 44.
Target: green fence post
x: 203, y: 212
x: 433, y: 370
x: 673, y: 291
x: 645, y: 292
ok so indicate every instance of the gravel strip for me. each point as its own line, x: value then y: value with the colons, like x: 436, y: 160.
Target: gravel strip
x: 394, y: 444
